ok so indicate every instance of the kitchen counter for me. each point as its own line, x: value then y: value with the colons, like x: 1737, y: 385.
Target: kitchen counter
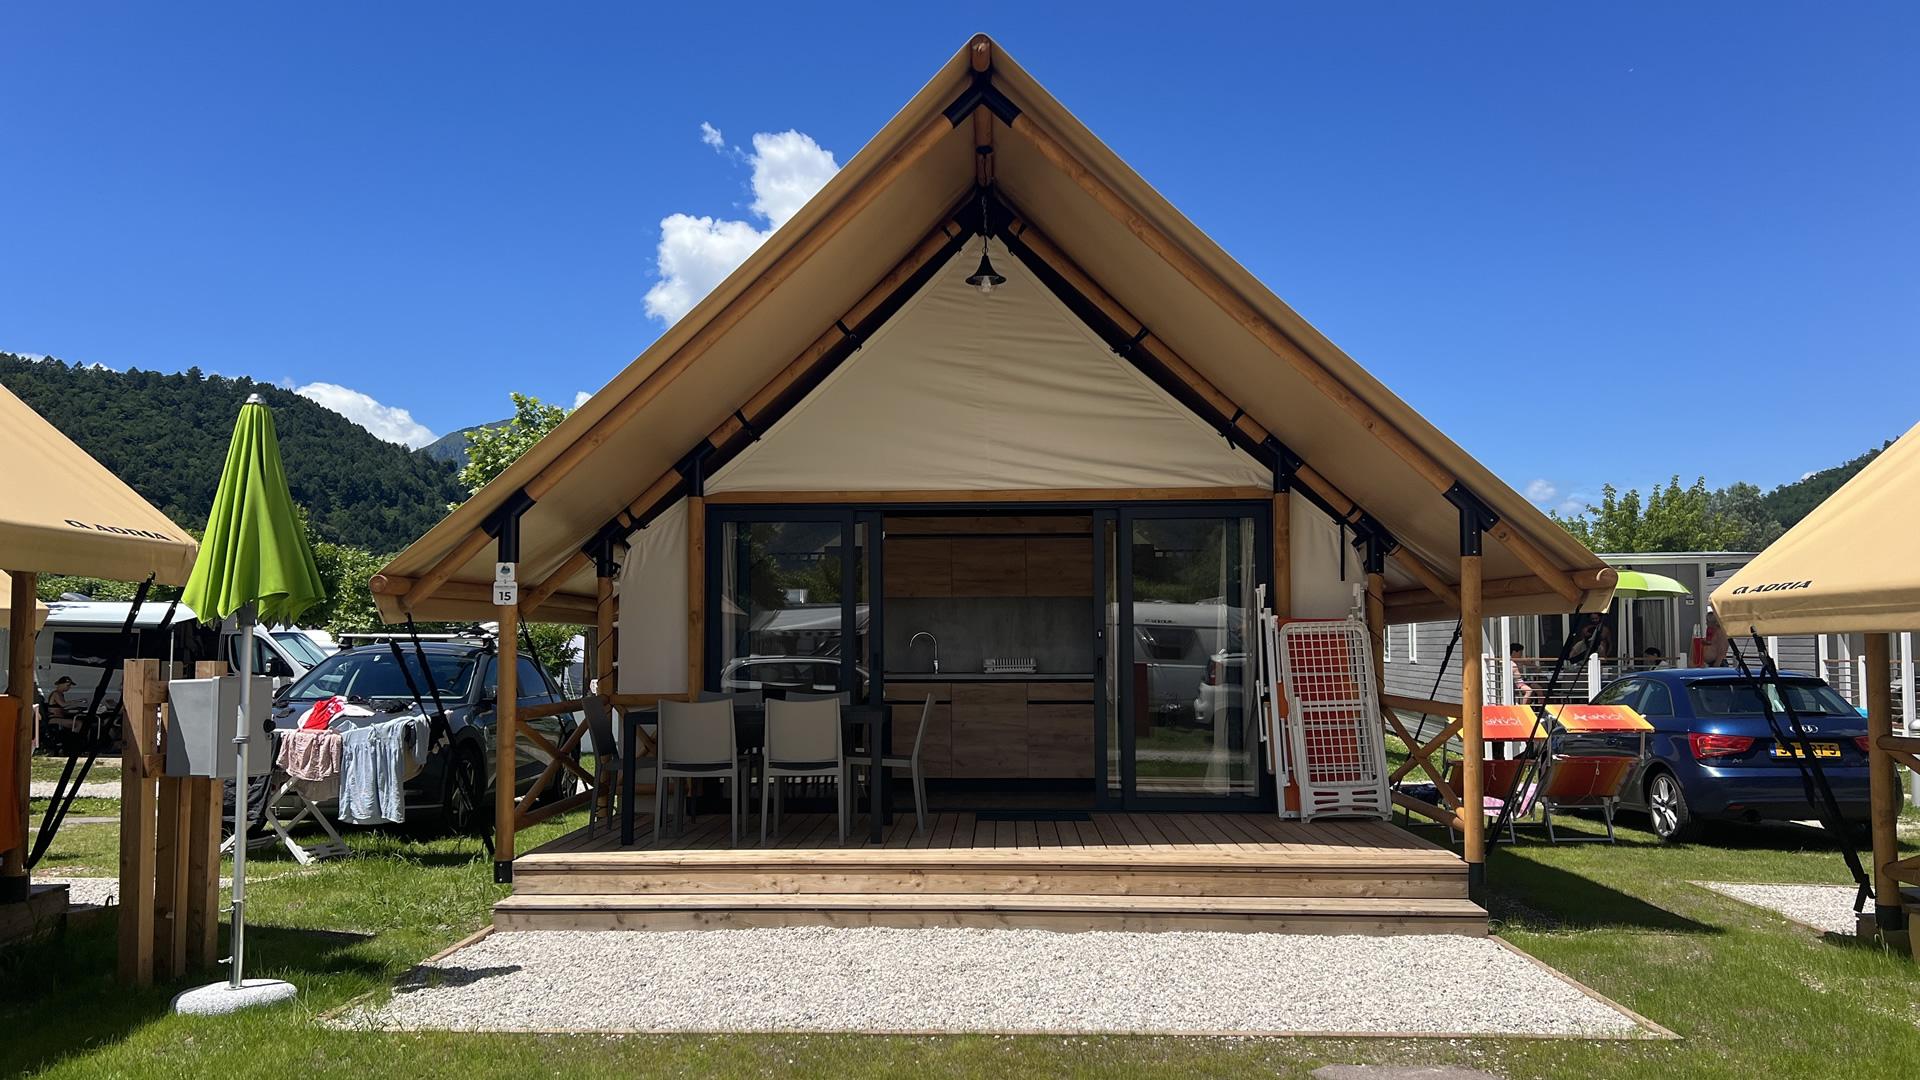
x: 984, y: 676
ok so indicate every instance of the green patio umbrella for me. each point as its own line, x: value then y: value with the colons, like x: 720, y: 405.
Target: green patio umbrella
x: 253, y: 561
x: 1634, y: 584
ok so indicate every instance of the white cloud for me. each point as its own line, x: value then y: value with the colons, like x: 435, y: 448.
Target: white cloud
x: 1542, y: 491
x: 695, y: 253
x: 388, y: 422
x: 580, y: 397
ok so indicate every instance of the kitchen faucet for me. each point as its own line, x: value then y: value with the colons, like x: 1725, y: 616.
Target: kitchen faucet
x: 915, y: 640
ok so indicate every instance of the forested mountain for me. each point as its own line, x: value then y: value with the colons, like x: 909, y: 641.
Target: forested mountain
x: 166, y: 435
x: 453, y: 445
x: 1788, y: 503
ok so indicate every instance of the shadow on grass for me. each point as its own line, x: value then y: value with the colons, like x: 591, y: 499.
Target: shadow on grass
x: 1538, y: 896
x: 60, y: 997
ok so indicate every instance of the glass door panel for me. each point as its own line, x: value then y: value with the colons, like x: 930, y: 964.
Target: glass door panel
x: 782, y: 605
x: 1188, y: 728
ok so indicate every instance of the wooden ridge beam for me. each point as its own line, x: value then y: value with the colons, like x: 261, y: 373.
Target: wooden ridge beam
x: 969, y: 495
x: 1274, y: 339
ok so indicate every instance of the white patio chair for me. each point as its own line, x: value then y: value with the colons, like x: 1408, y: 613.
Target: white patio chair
x: 696, y: 740
x: 911, y: 764
x: 804, y: 739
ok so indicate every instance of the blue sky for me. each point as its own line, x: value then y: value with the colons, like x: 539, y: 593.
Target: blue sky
x: 1511, y: 213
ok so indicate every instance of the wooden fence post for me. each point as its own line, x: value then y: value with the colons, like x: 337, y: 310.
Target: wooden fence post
x: 140, y: 691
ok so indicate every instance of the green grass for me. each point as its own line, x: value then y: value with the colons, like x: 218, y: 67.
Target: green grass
x: 1751, y: 994
x: 47, y: 768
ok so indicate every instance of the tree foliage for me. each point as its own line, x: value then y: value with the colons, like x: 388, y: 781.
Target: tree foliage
x: 490, y: 450
x: 167, y: 435
x: 1738, y: 517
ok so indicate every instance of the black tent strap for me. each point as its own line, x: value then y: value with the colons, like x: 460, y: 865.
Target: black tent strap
x: 1813, y: 775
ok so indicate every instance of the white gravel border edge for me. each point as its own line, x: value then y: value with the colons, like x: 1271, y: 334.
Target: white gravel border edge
x: 350, y: 1015
x: 1714, y: 887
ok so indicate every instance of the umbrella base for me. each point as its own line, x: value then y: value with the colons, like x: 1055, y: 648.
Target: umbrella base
x: 218, y: 999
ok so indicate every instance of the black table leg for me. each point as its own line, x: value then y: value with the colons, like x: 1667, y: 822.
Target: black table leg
x: 877, y: 778
x: 629, y: 761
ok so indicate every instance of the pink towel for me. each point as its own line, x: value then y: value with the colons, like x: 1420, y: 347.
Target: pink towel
x: 310, y: 755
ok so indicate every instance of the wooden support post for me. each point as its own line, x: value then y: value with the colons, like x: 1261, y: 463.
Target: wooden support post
x: 1283, y: 554
x: 14, y: 883
x: 506, y: 740
x: 696, y: 594
x: 1376, y: 606
x: 608, y: 644
x: 139, y: 702
x: 1883, y: 785
x: 172, y: 845
x: 1472, y: 748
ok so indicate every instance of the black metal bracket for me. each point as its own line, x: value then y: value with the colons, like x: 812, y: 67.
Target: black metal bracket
x: 1476, y: 517
x: 1373, y: 541
x: 600, y: 547
x: 852, y: 337
x: 746, y: 425
x: 1286, y: 464
x: 984, y: 213
x: 503, y: 871
x: 504, y: 524
x: 693, y: 468
x: 981, y: 91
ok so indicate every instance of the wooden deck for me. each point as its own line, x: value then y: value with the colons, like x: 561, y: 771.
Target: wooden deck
x: 1114, y: 871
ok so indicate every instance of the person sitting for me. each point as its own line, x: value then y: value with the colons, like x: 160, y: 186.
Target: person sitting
x: 1651, y: 660
x: 1523, y: 691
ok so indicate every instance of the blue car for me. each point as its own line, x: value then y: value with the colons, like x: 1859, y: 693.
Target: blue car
x: 1712, y: 755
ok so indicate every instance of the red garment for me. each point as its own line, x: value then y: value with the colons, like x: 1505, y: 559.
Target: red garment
x: 323, y: 713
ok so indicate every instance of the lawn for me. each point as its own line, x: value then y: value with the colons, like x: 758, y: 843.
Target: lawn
x: 1751, y: 994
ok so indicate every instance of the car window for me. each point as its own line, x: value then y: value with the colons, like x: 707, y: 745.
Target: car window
x: 532, y: 683
x: 374, y: 674
x: 96, y: 650
x: 1727, y: 697
x: 1625, y: 692
x: 302, y: 648
x: 1658, y: 701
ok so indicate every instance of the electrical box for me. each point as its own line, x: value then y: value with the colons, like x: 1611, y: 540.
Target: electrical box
x: 202, y: 714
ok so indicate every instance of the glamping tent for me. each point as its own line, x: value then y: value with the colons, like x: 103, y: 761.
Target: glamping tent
x: 986, y: 376
x: 1853, y: 565
x: 61, y: 512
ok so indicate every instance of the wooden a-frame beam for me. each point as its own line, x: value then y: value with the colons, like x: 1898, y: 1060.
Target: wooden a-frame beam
x: 1167, y: 357
x: 1277, y: 341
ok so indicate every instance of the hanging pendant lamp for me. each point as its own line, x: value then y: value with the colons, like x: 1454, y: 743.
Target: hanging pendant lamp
x: 984, y: 277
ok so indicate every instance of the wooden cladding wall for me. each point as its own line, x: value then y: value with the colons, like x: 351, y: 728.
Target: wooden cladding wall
x: 989, y: 566
x: 998, y: 730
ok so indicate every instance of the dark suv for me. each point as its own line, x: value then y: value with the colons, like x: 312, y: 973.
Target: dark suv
x: 467, y: 675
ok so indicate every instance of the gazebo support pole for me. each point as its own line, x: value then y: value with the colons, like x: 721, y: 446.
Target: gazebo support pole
x: 1883, y: 786
x: 506, y: 710
x: 1475, y: 518
x: 14, y: 883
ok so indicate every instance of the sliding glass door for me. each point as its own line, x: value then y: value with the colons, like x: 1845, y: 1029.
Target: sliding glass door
x: 788, y: 598
x: 1181, y: 722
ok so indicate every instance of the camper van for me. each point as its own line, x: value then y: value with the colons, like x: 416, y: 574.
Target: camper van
x: 81, y: 641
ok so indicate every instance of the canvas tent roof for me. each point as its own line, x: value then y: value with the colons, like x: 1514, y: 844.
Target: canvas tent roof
x: 1850, y: 566
x: 62, y: 512
x: 894, y: 206
x: 6, y: 603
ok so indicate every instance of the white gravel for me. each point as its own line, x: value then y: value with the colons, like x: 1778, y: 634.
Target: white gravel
x: 93, y: 891
x: 954, y: 980
x: 1824, y: 907
x: 92, y: 789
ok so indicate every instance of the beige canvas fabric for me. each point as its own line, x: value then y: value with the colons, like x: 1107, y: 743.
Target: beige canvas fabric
x: 6, y: 607
x: 820, y: 263
x: 1853, y: 565
x: 653, y: 607
x: 961, y: 391
x: 62, y: 512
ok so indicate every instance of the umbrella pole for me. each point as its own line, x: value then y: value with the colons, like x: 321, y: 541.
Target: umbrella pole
x: 249, y: 615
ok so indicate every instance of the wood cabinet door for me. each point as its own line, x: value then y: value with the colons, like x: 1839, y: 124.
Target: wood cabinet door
x: 919, y: 567
x: 989, y: 566
x: 1060, y: 741
x: 989, y: 729
x: 1060, y: 567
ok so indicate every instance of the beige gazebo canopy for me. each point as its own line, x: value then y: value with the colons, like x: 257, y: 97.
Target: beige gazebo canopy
x: 728, y: 368
x: 61, y: 512
x: 1851, y: 566
x: 6, y: 603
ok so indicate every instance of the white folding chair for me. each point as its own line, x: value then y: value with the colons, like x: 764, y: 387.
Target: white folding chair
x: 696, y: 740
x: 804, y: 739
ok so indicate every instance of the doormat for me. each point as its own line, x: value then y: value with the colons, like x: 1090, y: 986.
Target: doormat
x: 1032, y: 815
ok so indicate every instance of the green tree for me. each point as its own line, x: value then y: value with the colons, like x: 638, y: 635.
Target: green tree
x: 1670, y: 518
x: 490, y: 450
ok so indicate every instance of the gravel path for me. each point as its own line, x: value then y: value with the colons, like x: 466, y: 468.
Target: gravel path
x: 86, y: 890
x: 950, y: 980
x: 92, y: 789
x: 1824, y: 907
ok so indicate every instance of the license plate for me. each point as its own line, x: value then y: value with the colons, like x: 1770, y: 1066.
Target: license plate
x: 1820, y: 750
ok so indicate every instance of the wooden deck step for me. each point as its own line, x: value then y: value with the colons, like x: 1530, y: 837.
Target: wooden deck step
x: 696, y: 911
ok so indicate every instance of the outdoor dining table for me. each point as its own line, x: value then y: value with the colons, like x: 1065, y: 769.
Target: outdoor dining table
x: 863, y: 723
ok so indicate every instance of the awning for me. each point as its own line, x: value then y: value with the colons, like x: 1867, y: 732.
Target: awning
x: 62, y: 512
x: 1851, y: 566
x: 6, y: 604
x: 716, y: 377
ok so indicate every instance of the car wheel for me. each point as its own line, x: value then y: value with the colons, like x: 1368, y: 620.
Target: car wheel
x: 1667, y: 806
x: 463, y: 795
